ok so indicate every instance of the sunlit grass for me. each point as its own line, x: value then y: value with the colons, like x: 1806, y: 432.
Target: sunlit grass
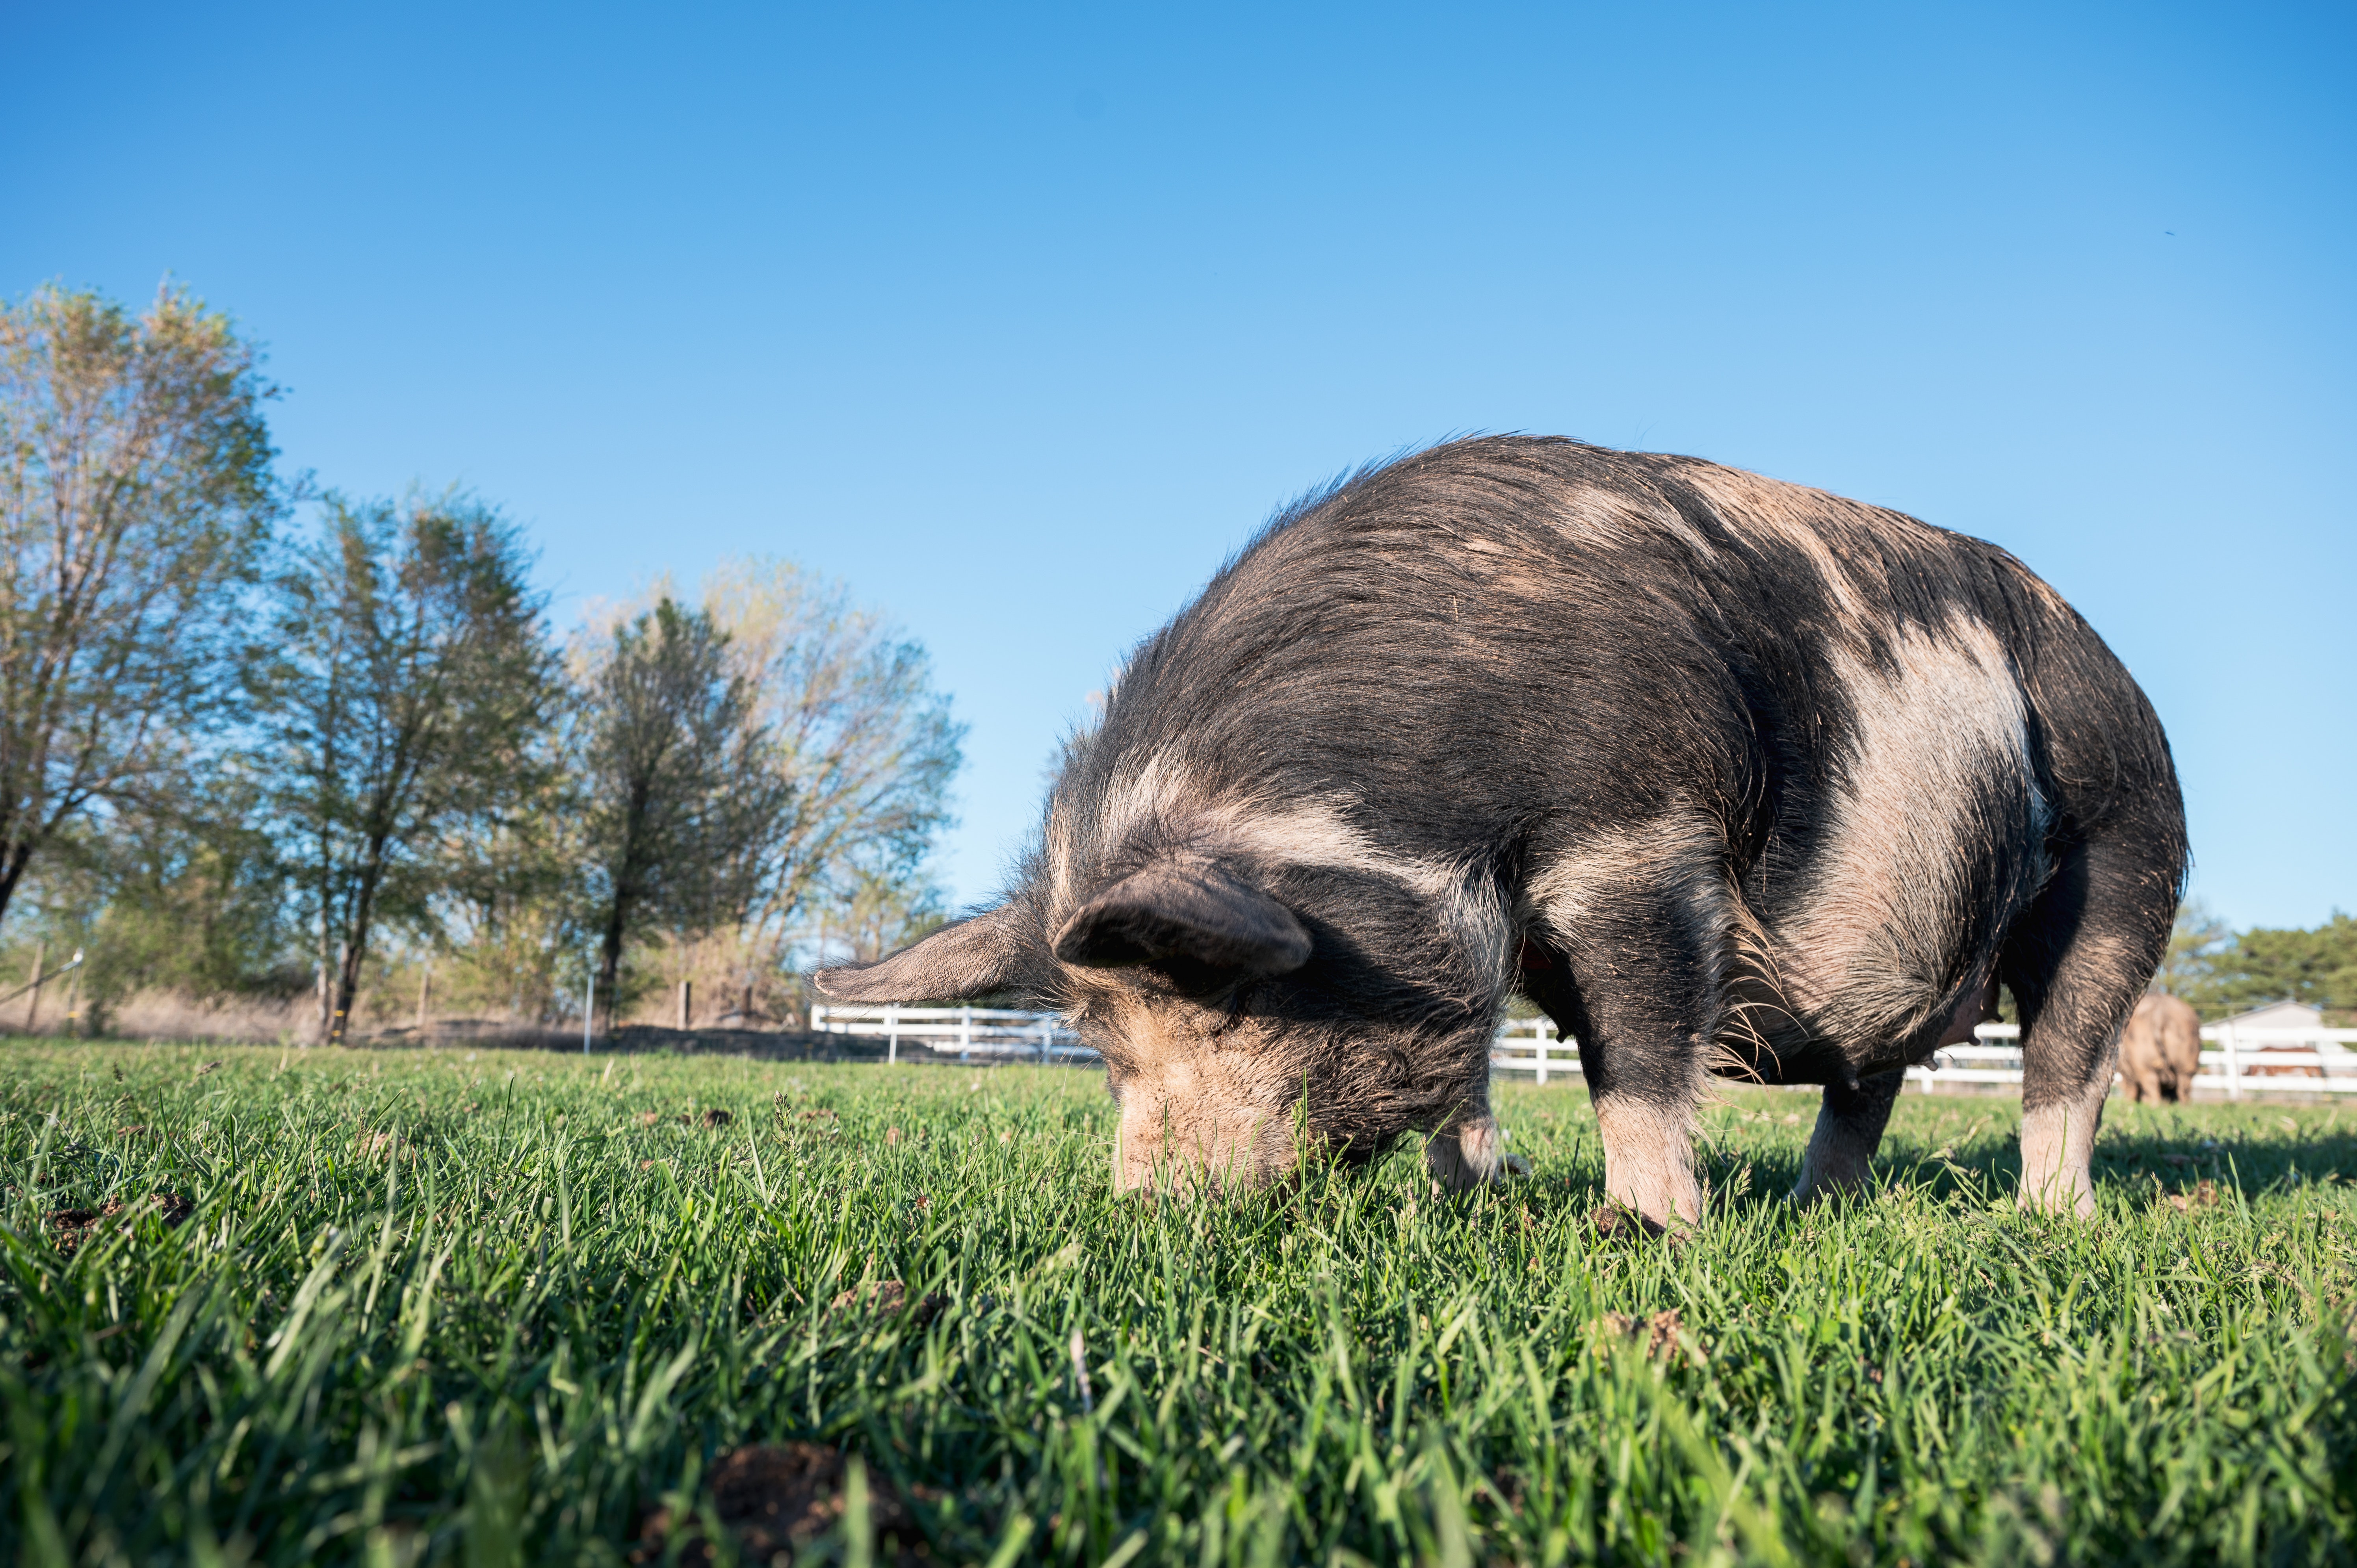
x: 468, y: 1306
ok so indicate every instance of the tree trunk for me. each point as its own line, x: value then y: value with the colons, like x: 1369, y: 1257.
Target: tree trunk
x: 363, y: 916
x: 610, y: 958
x: 323, y: 966
x: 11, y: 874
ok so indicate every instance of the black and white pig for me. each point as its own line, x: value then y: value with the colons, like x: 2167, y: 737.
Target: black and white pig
x: 1726, y: 774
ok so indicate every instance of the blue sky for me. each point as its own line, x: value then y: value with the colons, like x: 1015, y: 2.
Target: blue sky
x: 1021, y: 320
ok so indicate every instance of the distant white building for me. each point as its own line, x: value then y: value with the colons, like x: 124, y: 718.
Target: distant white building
x: 2279, y: 1016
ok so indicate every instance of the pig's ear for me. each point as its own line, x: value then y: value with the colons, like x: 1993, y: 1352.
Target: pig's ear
x: 971, y: 958
x: 1185, y: 914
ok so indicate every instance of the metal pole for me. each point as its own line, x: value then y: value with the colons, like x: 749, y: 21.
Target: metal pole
x: 588, y: 1005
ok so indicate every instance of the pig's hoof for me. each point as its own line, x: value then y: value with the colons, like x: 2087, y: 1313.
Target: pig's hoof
x: 1618, y: 1219
x: 1517, y: 1165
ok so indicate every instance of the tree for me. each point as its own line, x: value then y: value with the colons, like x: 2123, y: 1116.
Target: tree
x: 686, y: 800
x: 2266, y: 964
x: 136, y: 499
x: 508, y: 911
x: 2195, y: 944
x: 879, y: 914
x: 2223, y: 973
x: 414, y: 679
x: 865, y: 744
x: 186, y: 896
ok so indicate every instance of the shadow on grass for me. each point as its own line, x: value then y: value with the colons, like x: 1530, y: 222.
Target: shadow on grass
x: 1967, y: 1149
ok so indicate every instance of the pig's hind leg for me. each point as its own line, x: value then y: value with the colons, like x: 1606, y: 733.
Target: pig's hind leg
x: 2077, y: 961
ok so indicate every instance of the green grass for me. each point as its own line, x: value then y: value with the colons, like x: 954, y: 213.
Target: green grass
x: 533, y: 1319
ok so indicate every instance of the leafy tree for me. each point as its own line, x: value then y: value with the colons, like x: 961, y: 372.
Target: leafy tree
x: 2317, y: 967
x: 2221, y: 973
x: 511, y: 904
x: 188, y: 898
x: 136, y: 499
x: 414, y: 679
x: 865, y: 744
x: 686, y: 803
x: 879, y: 913
x: 2195, y: 943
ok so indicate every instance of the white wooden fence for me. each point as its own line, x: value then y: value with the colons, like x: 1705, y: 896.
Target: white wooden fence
x: 2237, y: 1060
x: 969, y: 1031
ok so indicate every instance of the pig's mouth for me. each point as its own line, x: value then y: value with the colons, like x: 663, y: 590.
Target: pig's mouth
x: 1189, y: 1148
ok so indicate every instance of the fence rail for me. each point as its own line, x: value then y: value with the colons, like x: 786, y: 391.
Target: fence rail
x: 2238, y: 1060
x: 969, y: 1031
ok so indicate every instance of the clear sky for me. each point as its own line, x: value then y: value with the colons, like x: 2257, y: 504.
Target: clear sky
x: 1020, y: 320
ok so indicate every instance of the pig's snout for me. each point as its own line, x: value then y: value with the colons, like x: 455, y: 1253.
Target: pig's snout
x: 1185, y: 1132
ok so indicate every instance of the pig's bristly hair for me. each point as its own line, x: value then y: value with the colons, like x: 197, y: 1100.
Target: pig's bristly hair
x: 1763, y: 778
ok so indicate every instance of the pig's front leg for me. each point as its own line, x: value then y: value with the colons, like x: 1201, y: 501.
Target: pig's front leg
x: 1471, y: 1150
x: 1626, y: 978
x: 1649, y: 1156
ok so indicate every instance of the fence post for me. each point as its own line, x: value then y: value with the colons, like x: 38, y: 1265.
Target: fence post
x: 1046, y: 1036
x: 2232, y: 1063
x: 33, y: 1008
x: 965, y: 1033
x: 1541, y: 1033
x: 892, y: 1032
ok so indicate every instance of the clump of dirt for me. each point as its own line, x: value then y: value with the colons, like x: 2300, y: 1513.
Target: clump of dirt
x: 74, y: 1227
x: 889, y: 1296
x: 2203, y: 1196
x: 714, y: 1117
x: 778, y: 1497
x: 1664, y: 1334
x: 1618, y: 1220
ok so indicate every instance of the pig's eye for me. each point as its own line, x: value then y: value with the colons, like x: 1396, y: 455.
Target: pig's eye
x: 1235, y: 1007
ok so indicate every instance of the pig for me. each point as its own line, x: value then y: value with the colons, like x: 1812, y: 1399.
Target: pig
x: 2160, y: 1049
x: 1727, y: 776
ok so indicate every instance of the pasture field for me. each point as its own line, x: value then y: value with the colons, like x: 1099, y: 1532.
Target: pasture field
x: 480, y: 1308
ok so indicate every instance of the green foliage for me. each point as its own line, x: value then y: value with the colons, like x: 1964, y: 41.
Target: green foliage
x: 411, y: 693
x: 443, y: 1307
x: 136, y: 500
x: 181, y: 899
x: 2223, y: 973
x: 684, y: 804
x: 2318, y: 967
